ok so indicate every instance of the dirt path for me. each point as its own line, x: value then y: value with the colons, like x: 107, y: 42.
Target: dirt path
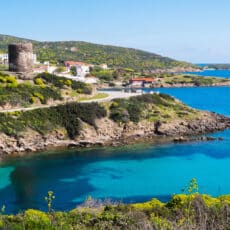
x: 112, y: 95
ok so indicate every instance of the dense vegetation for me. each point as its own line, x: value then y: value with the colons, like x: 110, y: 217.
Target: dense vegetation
x: 153, y: 107
x: 48, y: 119
x: 14, y: 93
x: 192, y: 79
x: 62, y: 82
x: 95, y: 54
x: 45, y: 87
x: 192, y: 211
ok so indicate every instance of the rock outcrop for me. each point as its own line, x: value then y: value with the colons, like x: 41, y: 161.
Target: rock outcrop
x: 111, y: 133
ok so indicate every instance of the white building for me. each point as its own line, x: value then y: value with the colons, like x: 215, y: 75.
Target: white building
x: 4, y: 58
x: 104, y: 66
x: 82, y: 68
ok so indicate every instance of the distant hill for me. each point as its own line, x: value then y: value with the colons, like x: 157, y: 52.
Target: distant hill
x: 96, y: 54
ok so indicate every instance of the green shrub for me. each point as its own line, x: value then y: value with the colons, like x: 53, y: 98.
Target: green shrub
x: 47, y: 119
x: 79, y: 90
x: 60, y: 82
x: 23, y: 93
x: 40, y: 96
x: 60, y: 69
x: 35, y: 219
x: 68, y: 82
x: 2, y: 79
x: 39, y: 81
x: 33, y: 100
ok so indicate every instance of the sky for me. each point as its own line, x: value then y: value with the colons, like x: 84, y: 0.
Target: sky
x: 191, y: 30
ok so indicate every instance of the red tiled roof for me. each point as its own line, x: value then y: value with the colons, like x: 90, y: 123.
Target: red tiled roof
x: 145, y: 79
x: 41, y: 67
x: 69, y: 63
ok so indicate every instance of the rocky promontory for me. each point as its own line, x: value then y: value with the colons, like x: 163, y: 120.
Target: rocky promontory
x: 117, y: 122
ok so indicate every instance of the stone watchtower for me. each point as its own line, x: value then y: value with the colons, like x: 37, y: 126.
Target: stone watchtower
x: 20, y: 57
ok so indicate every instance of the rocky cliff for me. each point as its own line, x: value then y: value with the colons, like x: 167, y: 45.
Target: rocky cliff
x: 109, y: 132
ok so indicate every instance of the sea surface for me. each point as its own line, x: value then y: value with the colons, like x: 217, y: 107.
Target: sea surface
x: 212, y: 73
x: 128, y: 174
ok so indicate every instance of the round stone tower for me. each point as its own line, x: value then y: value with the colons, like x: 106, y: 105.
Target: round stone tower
x: 20, y: 57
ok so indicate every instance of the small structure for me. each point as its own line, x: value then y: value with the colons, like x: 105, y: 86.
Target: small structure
x: 20, y: 57
x: 104, y: 66
x: 141, y: 82
x: 4, y: 58
x: 82, y: 68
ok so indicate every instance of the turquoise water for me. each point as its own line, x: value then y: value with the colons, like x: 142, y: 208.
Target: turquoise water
x: 215, y: 99
x: 213, y: 73
x: 129, y: 174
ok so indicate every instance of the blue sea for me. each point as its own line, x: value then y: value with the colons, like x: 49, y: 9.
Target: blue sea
x: 212, y: 73
x: 128, y: 174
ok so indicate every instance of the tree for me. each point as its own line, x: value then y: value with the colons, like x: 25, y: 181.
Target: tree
x: 73, y: 70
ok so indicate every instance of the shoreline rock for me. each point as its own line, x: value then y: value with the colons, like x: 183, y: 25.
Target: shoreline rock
x: 109, y: 133
x: 182, y: 139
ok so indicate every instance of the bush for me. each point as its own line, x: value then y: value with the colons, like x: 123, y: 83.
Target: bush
x: 35, y: 219
x: 21, y: 94
x: 38, y: 81
x: 47, y: 119
x: 68, y: 82
x: 148, y: 215
x: 61, y: 82
x: 40, y: 96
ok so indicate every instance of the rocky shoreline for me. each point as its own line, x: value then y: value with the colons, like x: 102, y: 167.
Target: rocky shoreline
x: 109, y: 133
x: 180, y: 85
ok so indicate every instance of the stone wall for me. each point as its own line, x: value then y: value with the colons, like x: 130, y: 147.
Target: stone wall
x: 20, y: 57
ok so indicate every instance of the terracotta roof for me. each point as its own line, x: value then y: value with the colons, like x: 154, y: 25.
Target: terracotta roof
x: 41, y: 67
x: 145, y: 79
x: 69, y: 63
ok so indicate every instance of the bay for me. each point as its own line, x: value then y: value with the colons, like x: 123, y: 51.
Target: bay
x: 129, y: 174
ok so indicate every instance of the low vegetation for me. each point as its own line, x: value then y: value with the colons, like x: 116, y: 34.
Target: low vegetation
x: 218, y: 66
x: 97, y: 96
x: 62, y: 82
x: 192, y: 79
x: 13, y: 93
x: 45, y: 87
x: 48, y: 119
x: 153, y: 107
x: 184, y: 211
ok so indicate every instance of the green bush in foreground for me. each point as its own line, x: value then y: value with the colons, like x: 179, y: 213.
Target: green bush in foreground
x: 206, y: 213
x: 183, y: 211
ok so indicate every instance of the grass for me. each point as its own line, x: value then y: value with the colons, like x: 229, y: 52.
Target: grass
x: 97, y: 96
x: 4, y: 67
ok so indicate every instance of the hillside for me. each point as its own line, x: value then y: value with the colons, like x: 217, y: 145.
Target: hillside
x: 96, y: 54
x: 43, y: 89
x: 108, y: 123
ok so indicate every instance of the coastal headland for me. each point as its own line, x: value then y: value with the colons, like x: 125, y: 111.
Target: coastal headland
x: 115, y: 122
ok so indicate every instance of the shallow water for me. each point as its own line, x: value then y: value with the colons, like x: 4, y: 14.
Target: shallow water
x: 129, y: 174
